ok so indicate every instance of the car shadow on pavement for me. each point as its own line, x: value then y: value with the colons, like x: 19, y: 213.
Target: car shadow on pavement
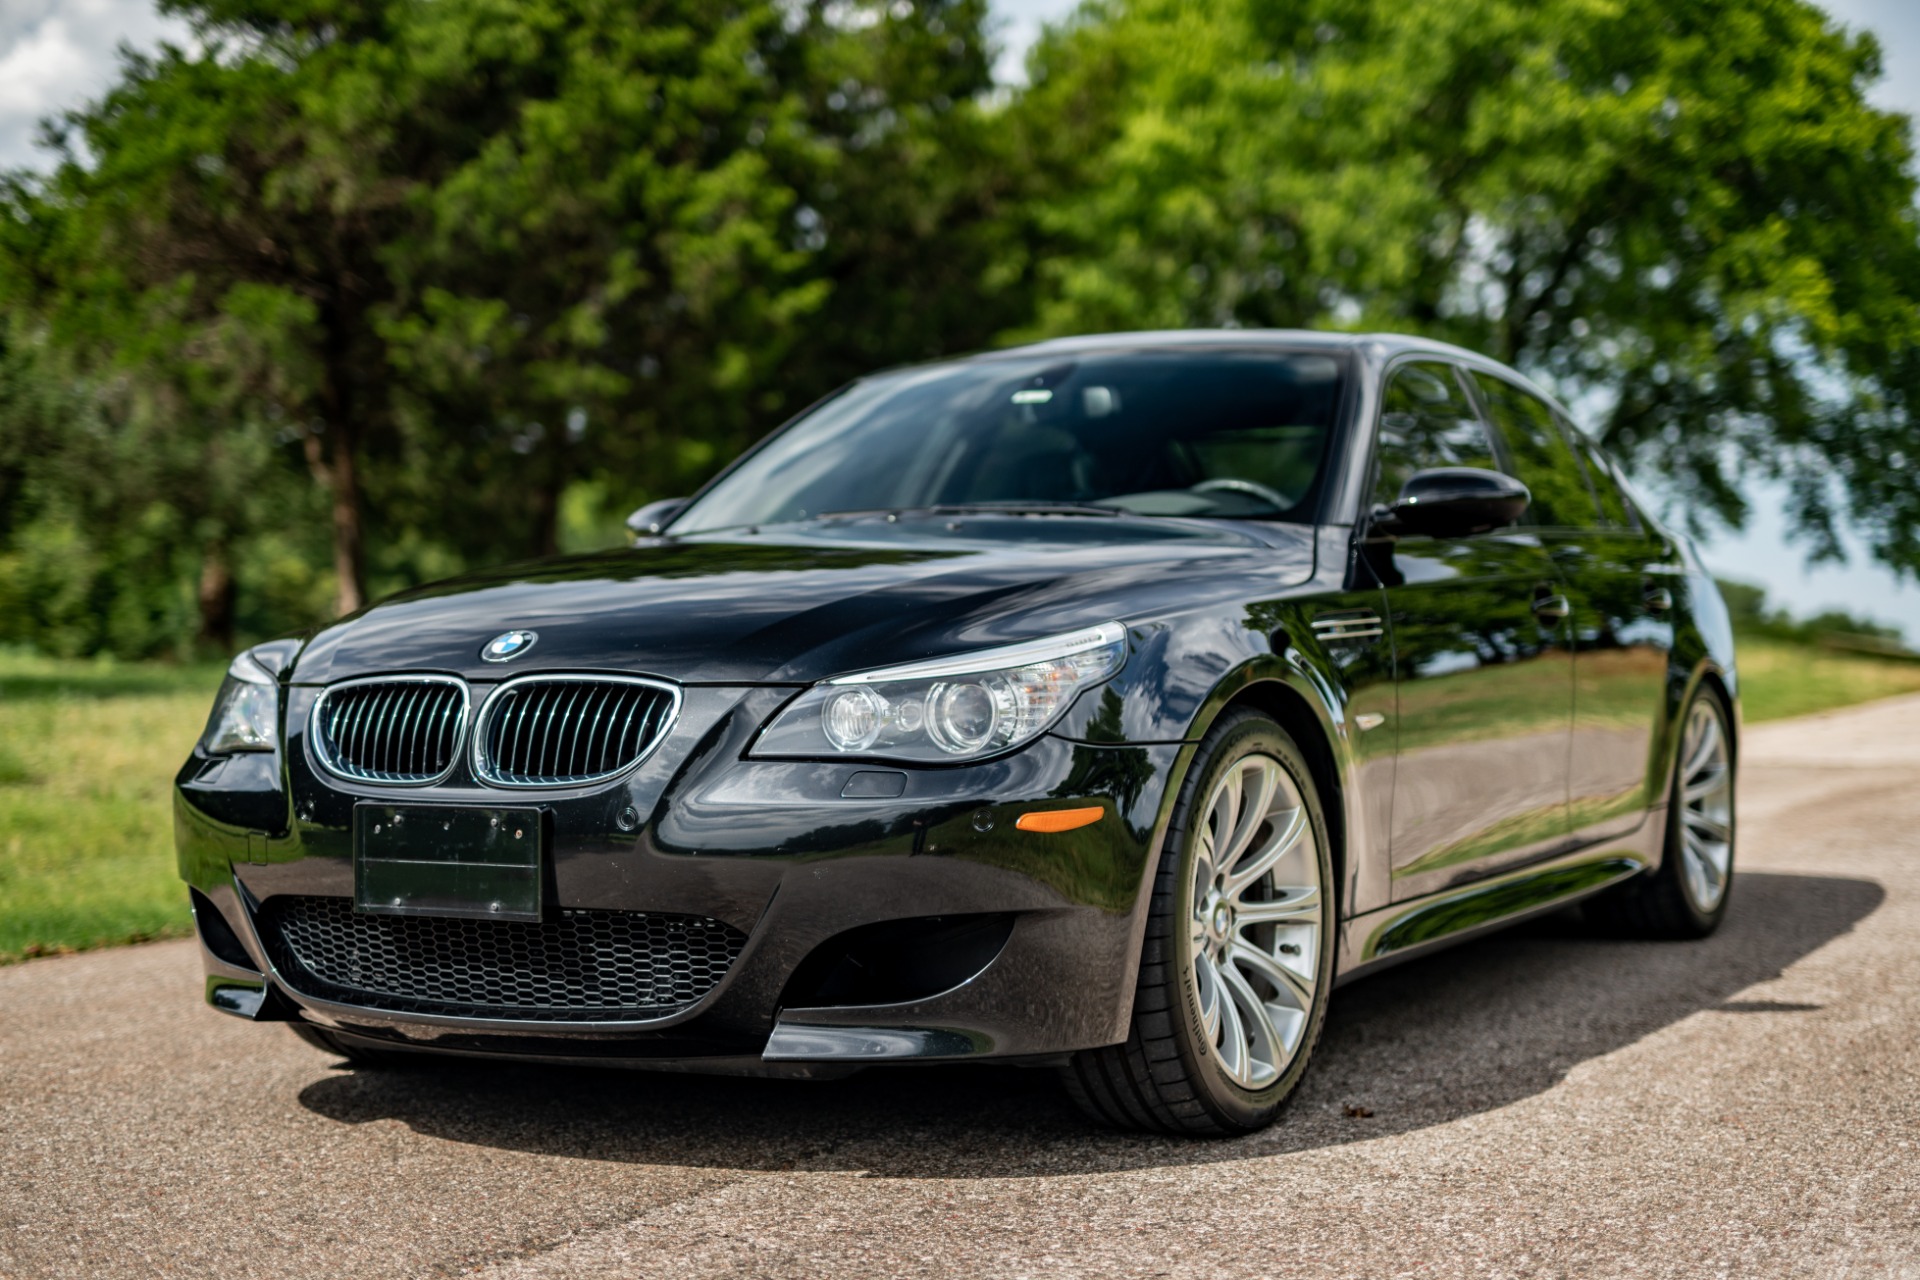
x: 1455, y: 1034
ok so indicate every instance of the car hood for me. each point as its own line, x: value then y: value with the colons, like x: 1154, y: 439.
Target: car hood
x: 800, y: 604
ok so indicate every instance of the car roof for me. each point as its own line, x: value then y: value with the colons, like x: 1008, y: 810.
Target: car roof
x: 1380, y: 347
x: 1384, y: 344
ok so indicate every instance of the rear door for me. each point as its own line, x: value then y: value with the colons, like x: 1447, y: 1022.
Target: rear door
x: 1481, y: 656
x: 1629, y: 579
x: 1613, y: 574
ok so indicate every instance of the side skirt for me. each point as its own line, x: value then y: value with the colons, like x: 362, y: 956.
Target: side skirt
x: 1405, y: 930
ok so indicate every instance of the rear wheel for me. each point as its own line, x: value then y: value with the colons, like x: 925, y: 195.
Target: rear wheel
x: 1687, y: 896
x: 1237, y: 963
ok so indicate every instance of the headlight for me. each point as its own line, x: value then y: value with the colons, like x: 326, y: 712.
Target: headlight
x: 244, y: 711
x: 949, y: 709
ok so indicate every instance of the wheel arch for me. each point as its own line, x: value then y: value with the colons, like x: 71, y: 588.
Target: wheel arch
x: 1711, y: 677
x: 1297, y: 698
x: 1685, y: 683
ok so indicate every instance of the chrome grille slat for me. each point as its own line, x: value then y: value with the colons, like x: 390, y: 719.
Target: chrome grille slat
x: 379, y: 743
x: 551, y: 731
x: 404, y: 730
x: 529, y: 704
x: 626, y: 726
x: 597, y: 702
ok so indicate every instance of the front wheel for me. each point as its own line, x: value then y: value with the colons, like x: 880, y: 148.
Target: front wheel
x: 1237, y: 963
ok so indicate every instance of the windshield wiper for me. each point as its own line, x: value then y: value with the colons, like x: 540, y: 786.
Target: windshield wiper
x: 1011, y: 508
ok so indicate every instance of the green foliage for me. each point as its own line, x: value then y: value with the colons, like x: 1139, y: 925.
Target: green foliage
x: 373, y: 284
x: 354, y: 294
x: 115, y: 514
x: 1747, y: 607
x: 1685, y: 217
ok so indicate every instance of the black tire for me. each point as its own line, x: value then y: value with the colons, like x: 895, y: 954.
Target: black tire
x: 1167, y: 1077
x: 327, y: 1042
x: 1662, y: 905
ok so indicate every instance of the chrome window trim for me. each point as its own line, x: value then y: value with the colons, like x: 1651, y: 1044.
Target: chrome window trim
x: 477, y: 752
x: 317, y: 743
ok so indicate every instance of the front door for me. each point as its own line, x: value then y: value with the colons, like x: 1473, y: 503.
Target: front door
x: 1482, y: 660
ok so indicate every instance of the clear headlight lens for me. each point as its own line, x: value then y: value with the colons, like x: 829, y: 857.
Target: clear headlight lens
x: 244, y: 711
x: 949, y: 709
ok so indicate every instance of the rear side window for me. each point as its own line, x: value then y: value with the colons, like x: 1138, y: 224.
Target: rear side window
x: 1541, y: 457
x: 1615, y: 507
x: 1426, y: 420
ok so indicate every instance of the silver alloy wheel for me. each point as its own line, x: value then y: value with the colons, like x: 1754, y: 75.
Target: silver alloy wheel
x: 1706, y: 805
x: 1256, y: 917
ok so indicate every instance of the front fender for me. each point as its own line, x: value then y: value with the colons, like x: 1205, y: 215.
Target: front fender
x: 1189, y: 670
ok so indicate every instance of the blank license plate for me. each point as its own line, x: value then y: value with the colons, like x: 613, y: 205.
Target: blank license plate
x: 438, y: 860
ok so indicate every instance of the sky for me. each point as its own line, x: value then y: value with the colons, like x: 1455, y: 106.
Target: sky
x: 58, y: 53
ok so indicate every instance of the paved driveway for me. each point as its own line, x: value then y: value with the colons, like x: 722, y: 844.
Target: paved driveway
x: 1543, y: 1103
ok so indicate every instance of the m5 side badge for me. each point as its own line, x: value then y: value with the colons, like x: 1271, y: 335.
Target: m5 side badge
x: 508, y: 646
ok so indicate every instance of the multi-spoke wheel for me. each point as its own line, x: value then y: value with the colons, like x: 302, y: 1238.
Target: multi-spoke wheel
x: 1254, y: 922
x: 1687, y: 896
x: 1705, y: 805
x: 1237, y: 962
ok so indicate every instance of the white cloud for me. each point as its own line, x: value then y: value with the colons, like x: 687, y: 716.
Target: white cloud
x: 56, y: 54
x: 1017, y: 26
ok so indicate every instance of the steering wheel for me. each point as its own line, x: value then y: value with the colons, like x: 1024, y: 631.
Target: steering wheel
x: 1231, y: 485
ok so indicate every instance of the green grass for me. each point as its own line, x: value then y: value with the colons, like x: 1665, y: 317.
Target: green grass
x: 1780, y: 679
x: 87, y: 757
x: 88, y: 752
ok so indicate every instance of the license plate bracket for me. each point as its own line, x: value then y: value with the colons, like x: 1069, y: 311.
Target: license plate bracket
x: 447, y: 860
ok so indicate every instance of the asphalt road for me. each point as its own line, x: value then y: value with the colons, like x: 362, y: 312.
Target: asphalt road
x: 1544, y: 1103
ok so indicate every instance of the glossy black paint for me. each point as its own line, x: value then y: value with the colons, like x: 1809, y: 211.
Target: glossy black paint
x: 1490, y: 718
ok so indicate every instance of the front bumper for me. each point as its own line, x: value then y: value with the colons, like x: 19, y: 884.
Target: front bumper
x: 772, y: 849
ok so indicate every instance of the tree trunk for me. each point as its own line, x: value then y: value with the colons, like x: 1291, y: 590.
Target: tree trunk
x: 344, y: 478
x: 342, y: 410
x: 216, y: 601
x: 546, y: 493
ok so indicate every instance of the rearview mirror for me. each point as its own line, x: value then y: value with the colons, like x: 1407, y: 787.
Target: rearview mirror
x: 1451, y: 502
x: 652, y: 518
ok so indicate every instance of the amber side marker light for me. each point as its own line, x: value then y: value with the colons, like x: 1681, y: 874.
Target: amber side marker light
x: 1059, y: 819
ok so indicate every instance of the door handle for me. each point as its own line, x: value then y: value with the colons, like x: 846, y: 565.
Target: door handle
x: 1554, y: 607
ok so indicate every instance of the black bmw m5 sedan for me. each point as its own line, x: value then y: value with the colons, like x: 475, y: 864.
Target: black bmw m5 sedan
x: 1100, y: 705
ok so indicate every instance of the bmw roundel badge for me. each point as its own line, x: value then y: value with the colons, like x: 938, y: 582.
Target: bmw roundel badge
x: 508, y: 645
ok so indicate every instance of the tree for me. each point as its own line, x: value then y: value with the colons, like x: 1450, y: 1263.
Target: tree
x: 459, y: 255
x: 1684, y: 217
x: 131, y: 523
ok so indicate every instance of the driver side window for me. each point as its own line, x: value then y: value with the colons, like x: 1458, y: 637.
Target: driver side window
x: 1426, y: 420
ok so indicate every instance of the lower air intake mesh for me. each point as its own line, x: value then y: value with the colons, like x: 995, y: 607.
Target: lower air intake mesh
x: 583, y: 966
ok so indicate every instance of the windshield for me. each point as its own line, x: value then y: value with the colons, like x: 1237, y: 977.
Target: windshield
x: 1237, y: 434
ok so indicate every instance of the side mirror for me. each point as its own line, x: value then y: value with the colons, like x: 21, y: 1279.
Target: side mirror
x: 1451, y: 502
x: 652, y: 518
